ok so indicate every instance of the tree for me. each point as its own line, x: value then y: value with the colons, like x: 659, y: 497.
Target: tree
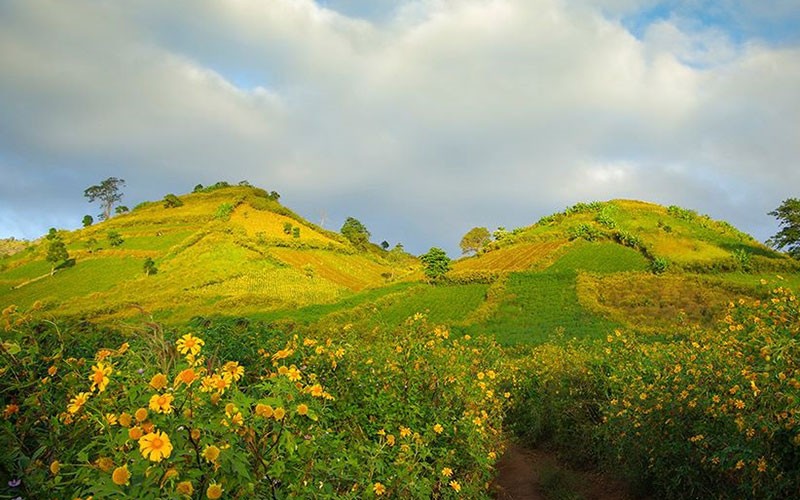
x: 108, y: 192
x: 172, y: 201
x: 788, y: 214
x: 385, y: 245
x: 356, y: 232
x: 115, y: 239
x: 122, y: 209
x: 475, y: 239
x: 150, y: 267
x: 87, y: 220
x: 197, y: 188
x: 435, y: 263
x: 56, y: 252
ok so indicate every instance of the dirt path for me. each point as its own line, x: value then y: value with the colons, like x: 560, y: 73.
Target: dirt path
x: 524, y: 474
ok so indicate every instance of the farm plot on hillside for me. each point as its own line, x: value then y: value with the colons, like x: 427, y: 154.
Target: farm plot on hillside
x: 537, y: 306
x: 514, y: 258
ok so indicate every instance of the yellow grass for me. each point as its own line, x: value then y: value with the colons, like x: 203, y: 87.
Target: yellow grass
x: 355, y: 272
x: 271, y: 225
x: 514, y: 258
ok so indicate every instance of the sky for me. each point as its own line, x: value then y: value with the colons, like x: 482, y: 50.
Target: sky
x: 421, y: 118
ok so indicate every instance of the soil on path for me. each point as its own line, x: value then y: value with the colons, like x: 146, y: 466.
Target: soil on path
x: 525, y: 474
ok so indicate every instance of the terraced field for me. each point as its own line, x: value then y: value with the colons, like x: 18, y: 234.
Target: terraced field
x: 514, y: 258
x: 600, y: 257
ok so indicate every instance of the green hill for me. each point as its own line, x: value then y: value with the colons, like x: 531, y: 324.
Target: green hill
x: 236, y: 251
x: 229, y: 251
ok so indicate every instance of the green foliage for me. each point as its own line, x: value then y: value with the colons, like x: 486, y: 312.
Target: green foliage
x: 743, y: 259
x: 287, y: 228
x: 198, y: 188
x: 355, y: 232
x: 435, y: 263
x: 56, y: 252
x: 585, y: 231
x: 659, y: 265
x: 87, y: 220
x: 475, y: 239
x: 703, y: 415
x: 600, y: 257
x: 291, y: 416
x: 682, y: 213
x: 150, y: 267
x: 605, y: 218
x: 581, y: 208
x: 224, y: 211
x: 788, y: 215
x: 107, y: 192
x: 385, y: 245
x: 121, y: 209
x: 172, y: 201
x: 114, y: 238
x: 295, y: 232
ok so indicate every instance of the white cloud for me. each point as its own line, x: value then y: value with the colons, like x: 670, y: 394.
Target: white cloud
x: 470, y: 109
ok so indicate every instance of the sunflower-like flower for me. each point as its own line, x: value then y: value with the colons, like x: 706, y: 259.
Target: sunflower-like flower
x: 76, y: 403
x: 161, y: 403
x: 189, y: 344
x: 99, y: 377
x: 155, y: 446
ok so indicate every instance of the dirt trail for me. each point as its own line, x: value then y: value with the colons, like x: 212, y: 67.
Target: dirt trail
x: 524, y: 474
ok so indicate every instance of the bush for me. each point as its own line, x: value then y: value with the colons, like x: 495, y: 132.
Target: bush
x: 659, y: 265
x: 115, y: 239
x: 224, y: 211
x: 172, y: 201
x: 585, y: 231
x: 167, y: 414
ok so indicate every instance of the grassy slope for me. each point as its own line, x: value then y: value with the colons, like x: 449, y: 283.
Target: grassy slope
x: 236, y: 265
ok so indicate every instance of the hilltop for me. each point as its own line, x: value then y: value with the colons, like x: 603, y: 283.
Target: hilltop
x: 232, y: 250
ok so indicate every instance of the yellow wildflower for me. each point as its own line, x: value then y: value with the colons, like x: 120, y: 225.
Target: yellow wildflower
x: 155, y: 446
x: 78, y: 401
x: 214, y: 491
x: 99, y: 377
x: 189, y: 344
x: 379, y: 489
x: 121, y: 476
x: 161, y: 403
x: 211, y: 453
x: 159, y: 381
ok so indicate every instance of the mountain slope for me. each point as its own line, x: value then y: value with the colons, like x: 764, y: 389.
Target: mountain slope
x: 229, y: 250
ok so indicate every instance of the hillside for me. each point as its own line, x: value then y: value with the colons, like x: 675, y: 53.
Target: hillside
x: 223, y: 250
x: 597, y: 266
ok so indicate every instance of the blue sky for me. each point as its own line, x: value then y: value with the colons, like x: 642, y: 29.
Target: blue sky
x: 422, y: 118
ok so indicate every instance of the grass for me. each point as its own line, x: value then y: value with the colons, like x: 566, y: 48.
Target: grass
x: 86, y: 277
x: 540, y: 307
x: 600, y: 257
x: 442, y: 304
x: 646, y: 300
x: 315, y: 312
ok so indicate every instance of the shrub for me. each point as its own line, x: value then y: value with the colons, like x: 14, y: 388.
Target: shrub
x: 659, y: 265
x: 172, y: 201
x: 224, y: 211
x: 115, y: 239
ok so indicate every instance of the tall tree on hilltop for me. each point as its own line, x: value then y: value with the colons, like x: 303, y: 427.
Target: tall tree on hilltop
x: 788, y: 214
x: 108, y: 192
x: 475, y: 239
x: 356, y: 232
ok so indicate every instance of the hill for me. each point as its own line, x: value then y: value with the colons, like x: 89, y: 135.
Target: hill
x: 232, y: 250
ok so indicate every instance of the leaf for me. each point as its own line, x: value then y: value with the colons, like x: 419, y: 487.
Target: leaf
x: 12, y: 347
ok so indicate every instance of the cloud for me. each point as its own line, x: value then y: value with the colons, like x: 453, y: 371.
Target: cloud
x: 421, y: 118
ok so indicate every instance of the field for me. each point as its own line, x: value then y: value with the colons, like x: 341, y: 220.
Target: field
x: 542, y: 307
x: 650, y: 343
